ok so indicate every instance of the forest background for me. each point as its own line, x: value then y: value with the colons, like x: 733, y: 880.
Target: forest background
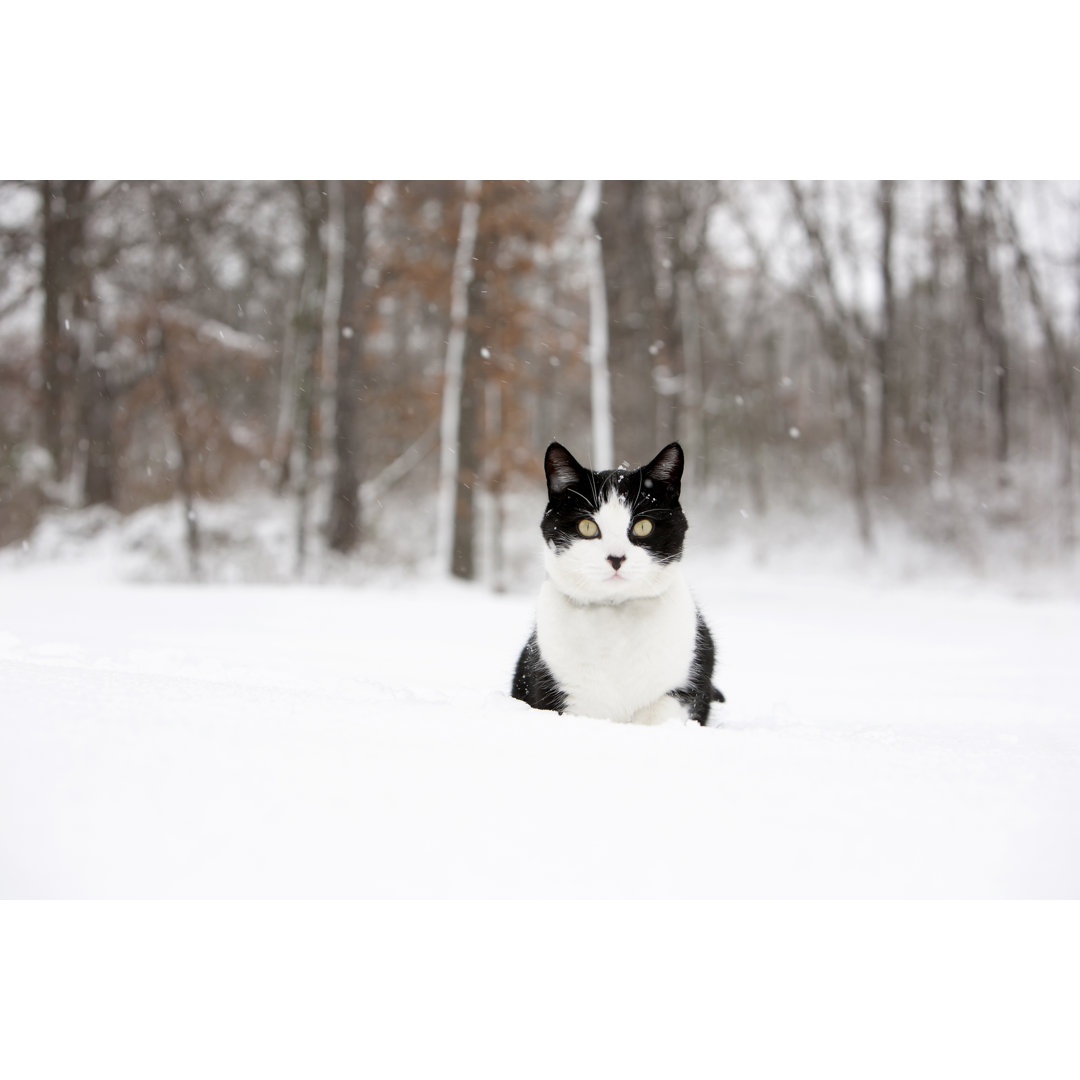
x: 907, y: 348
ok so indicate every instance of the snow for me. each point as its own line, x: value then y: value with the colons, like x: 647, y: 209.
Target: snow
x: 882, y: 738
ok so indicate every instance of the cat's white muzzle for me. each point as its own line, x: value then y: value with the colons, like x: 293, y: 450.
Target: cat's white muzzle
x: 584, y: 573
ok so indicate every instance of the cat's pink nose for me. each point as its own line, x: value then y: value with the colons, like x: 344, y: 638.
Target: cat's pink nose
x: 616, y: 561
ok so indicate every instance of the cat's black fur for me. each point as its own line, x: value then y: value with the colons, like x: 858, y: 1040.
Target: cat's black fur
x: 699, y: 693
x: 533, y: 681
x: 651, y: 491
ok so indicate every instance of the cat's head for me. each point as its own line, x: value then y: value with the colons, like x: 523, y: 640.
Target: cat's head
x: 614, y: 535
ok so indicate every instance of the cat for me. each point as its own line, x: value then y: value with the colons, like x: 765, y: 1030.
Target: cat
x: 617, y: 634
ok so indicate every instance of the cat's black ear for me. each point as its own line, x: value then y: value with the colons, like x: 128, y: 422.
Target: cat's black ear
x: 560, y: 468
x: 667, y: 466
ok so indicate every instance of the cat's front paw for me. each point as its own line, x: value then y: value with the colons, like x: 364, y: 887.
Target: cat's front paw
x: 665, y: 710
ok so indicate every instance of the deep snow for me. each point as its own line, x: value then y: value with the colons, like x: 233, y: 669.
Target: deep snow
x: 880, y: 739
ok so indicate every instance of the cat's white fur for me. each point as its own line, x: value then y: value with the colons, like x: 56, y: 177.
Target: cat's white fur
x: 616, y: 641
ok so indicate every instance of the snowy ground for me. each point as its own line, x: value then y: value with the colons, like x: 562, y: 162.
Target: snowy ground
x: 882, y: 738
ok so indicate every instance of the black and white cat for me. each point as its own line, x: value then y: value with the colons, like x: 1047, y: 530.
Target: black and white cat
x: 617, y: 634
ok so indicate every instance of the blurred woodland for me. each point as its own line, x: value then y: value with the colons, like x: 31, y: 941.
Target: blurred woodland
x: 901, y: 344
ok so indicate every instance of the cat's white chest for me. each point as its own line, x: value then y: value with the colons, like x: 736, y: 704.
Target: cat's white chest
x: 617, y: 661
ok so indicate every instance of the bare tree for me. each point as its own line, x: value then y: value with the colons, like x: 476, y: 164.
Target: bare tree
x: 453, y: 377
x: 630, y: 282
x: 65, y: 285
x: 975, y: 237
x: 307, y: 443
x: 686, y: 207
x: 885, y: 341
x: 343, y: 530
x: 175, y: 401
x: 603, y: 435
x: 753, y: 395
x: 1061, y: 370
x: 842, y: 330
x: 936, y: 390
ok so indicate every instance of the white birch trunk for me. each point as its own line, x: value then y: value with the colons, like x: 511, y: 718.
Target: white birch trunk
x: 603, y: 436
x: 450, y: 427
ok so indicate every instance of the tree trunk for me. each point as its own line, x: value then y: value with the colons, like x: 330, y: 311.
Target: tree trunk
x: 333, y: 292
x: 309, y: 387
x: 886, y: 337
x: 186, y: 477
x: 936, y: 407
x: 52, y: 395
x: 453, y: 422
x: 685, y: 212
x: 855, y: 437
x: 288, y: 389
x: 603, y: 436
x: 96, y: 395
x: 984, y: 304
x: 999, y: 341
x: 630, y: 285
x: 343, y: 530
x: 98, y: 406
x: 64, y: 210
x: 464, y: 562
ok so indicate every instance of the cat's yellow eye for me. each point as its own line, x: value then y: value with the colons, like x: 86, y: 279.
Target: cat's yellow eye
x: 588, y: 528
x: 642, y: 527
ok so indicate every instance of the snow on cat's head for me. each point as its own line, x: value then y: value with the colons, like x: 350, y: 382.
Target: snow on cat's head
x: 614, y: 535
